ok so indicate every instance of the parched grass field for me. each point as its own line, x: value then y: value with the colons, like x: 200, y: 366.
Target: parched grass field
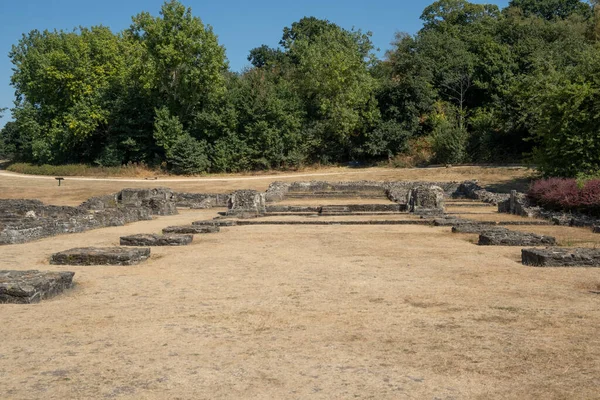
x: 295, y: 312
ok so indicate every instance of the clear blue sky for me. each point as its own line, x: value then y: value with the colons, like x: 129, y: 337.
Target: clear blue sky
x: 240, y: 24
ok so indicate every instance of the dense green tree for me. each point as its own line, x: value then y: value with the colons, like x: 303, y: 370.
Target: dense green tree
x: 183, y: 63
x: 475, y: 84
x: 550, y: 9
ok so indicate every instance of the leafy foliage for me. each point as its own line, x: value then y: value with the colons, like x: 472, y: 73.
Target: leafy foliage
x: 476, y: 83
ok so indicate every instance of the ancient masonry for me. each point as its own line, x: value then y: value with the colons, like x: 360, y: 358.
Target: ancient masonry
x: 505, y: 237
x: 101, y: 256
x: 191, y: 229
x: 156, y: 240
x: 561, y: 257
x: 26, y: 220
x: 26, y: 287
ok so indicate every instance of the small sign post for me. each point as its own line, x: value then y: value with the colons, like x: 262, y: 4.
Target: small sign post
x: 59, y: 180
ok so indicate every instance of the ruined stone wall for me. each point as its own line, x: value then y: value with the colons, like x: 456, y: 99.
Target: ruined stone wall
x: 201, y: 200
x: 27, y: 220
x: 396, y: 191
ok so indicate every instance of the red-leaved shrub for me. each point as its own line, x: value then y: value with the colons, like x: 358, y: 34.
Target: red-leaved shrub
x: 564, y: 195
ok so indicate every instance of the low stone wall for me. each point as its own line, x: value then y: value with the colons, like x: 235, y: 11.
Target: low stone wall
x: 519, y: 204
x: 201, y: 200
x: 472, y: 190
x: 561, y: 257
x: 23, y: 221
x: 396, y: 191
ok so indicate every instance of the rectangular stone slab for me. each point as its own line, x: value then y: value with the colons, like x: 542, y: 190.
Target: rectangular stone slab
x: 192, y: 229
x: 514, y: 238
x: 214, y: 222
x: 26, y: 287
x: 561, y: 257
x: 468, y: 228
x: 101, y: 256
x: 156, y: 240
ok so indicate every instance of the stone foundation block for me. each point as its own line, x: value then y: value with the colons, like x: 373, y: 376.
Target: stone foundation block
x: 192, y: 229
x: 561, y: 257
x: 26, y: 287
x: 215, y: 222
x: 514, y: 238
x: 471, y: 228
x: 156, y: 240
x: 101, y: 256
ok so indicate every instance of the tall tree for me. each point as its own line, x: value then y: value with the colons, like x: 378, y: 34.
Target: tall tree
x: 182, y: 62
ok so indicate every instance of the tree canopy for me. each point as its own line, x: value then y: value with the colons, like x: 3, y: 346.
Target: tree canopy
x: 475, y: 84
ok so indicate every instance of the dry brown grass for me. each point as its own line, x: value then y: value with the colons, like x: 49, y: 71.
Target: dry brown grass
x: 73, y: 191
x: 263, y: 312
x: 295, y: 312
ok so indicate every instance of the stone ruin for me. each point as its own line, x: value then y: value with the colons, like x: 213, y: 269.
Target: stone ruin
x: 26, y: 220
x: 156, y: 240
x: 101, y: 256
x: 246, y: 201
x: 201, y: 200
x: 26, y: 287
x: 561, y: 257
x: 191, y: 229
x: 428, y: 199
x: 506, y: 237
x: 216, y: 222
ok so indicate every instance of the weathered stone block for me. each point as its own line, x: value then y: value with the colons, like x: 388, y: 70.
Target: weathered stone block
x: 160, y: 200
x: 192, y: 229
x: 505, y: 237
x: 101, y: 256
x: 156, y: 240
x: 473, y: 228
x: 428, y: 197
x: 246, y: 201
x: 561, y: 257
x: 216, y: 222
x: 26, y: 287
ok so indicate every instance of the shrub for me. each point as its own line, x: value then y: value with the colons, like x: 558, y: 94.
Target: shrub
x: 566, y: 195
x: 419, y: 154
x: 188, y: 156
